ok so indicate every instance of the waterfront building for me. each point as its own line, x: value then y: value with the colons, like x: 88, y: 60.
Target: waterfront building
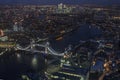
x: 69, y: 72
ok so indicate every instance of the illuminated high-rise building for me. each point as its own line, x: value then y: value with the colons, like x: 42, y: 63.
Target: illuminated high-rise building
x: 60, y: 6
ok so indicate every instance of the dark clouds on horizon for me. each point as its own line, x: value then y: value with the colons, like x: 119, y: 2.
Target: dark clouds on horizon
x: 99, y: 2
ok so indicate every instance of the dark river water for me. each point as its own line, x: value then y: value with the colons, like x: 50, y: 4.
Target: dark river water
x: 85, y: 32
x: 14, y: 64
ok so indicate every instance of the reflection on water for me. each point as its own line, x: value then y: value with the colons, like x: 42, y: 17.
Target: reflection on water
x: 18, y: 57
x: 14, y: 64
x: 35, y: 61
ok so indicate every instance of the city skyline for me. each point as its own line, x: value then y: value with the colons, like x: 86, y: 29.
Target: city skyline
x: 44, y: 2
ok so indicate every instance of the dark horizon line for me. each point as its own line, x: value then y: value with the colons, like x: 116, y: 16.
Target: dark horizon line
x: 59, y: 3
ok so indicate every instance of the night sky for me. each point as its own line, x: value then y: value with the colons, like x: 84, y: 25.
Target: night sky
x: 97, y: 2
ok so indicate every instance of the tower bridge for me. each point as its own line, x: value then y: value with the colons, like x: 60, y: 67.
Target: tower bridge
x: 48, y: 49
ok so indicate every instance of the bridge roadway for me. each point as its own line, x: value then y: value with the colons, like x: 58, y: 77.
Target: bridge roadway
x: 48, y: 49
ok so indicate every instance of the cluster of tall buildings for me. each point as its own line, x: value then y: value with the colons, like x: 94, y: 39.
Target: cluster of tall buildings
x: 62, y: 8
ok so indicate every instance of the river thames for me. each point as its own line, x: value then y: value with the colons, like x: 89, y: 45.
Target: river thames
x: 14, y: 64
